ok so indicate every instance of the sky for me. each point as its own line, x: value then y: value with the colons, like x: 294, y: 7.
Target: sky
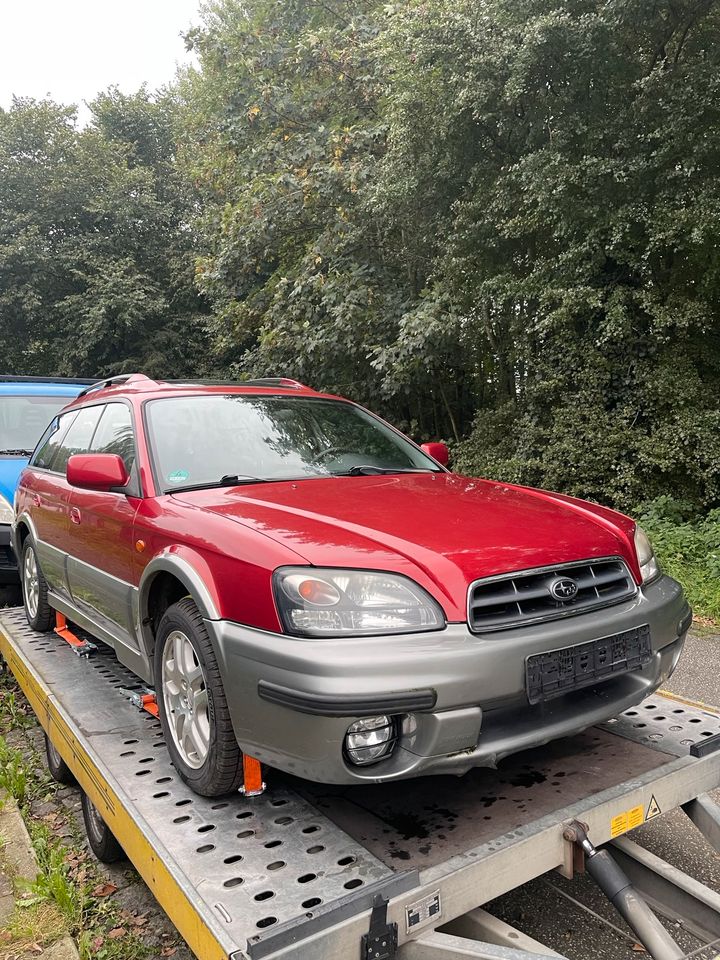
x: 72, y: 49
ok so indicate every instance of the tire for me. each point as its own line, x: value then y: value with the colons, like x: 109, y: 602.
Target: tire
x: 59, y: 770
x: 38, y: 612
x: 201, y: 741
x: 100, y: 837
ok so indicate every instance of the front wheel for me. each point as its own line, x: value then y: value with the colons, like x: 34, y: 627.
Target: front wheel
x: 192, y: 704
x: 38, y: 612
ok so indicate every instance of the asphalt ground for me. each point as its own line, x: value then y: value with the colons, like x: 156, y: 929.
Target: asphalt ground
x: 541, y: 908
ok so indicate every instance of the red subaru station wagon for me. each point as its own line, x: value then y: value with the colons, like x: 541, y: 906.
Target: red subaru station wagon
x: 298, y: 580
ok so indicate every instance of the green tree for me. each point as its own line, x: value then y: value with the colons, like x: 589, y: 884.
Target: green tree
x: 285, y: 134
x: 96, y: 272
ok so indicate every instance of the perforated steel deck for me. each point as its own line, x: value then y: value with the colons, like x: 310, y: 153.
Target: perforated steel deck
x: 253, y: 862
x: 295, y: 871
x: 668, y: 723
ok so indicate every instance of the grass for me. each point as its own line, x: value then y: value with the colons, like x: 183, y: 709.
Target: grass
x: 55, y: 883
x: 13, y: 773
x: 688, y: 548
x: 39, y: 924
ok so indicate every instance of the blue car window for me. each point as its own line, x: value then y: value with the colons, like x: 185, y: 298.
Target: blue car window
x: 23, y: 420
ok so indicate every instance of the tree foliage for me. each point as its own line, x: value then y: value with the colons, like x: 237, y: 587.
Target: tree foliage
x: 494, y: 222
x: 96, y: 264
x: 497, y: 221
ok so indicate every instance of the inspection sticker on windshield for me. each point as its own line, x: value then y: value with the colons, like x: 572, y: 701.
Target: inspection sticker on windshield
x: 177, y: 476
x: 627, y: 820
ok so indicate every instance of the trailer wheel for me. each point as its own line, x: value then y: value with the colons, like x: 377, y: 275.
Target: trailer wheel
x: 100, y: 837
x: 38, y: 612
x: 192, y: 704
x: 60, y: 771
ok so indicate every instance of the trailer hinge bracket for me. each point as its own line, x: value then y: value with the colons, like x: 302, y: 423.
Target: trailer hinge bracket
x: 381, y: 940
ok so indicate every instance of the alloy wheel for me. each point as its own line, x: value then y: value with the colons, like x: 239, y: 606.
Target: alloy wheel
x: 31, y: 582
x: 185, y: 698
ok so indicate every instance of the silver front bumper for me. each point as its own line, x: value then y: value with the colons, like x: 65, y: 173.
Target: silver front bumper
x: 460, y: 697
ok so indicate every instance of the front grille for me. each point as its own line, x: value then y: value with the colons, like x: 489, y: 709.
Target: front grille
x: 525, y: 597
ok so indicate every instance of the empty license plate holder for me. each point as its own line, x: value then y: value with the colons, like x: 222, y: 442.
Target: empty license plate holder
x: 549, y: 675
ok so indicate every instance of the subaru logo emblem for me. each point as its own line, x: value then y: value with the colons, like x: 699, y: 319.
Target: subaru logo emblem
x: 564, y: 588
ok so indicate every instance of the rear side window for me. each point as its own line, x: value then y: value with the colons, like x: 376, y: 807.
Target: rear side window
x: 50, y: 441
x: 78, y: 437
x: 115, y: 435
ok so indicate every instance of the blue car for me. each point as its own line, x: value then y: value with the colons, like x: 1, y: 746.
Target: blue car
x: 27, y: 405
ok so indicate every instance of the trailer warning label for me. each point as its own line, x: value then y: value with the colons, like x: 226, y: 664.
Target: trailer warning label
x: 653, y: 809
x: 627, y: 820
x: 422, y: 911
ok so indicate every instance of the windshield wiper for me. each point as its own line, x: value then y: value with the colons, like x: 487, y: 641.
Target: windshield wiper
x: 229, y: 480
x: 16, y: 453
x: 368, y: 470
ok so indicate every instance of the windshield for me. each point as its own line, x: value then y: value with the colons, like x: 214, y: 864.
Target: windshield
x: 217, y: 439
x: 23, y: 421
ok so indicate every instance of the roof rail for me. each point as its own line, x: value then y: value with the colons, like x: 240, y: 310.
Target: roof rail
x: 113, y: 381
x: 5, y: 378
x: 260, y: 382
x: 275, y: 382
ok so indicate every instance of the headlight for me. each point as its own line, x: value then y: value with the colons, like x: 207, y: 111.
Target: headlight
x: 338, y: 603
x: 6, y: 511
x: 649, y: 567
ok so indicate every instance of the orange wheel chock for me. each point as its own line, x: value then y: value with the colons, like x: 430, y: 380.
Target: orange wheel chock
x: 83, y: 648
x: 253, y: 785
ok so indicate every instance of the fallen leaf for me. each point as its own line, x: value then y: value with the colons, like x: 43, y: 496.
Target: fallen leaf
x: 638, y: 948
x: 168, y: 951
x: 117, y: 932
x: 98, y: 942
x: 104, y: 890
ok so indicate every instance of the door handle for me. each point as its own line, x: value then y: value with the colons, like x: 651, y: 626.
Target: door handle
x: 75, y: 515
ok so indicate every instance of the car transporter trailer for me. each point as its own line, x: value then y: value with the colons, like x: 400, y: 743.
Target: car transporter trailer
x: 311, y: 872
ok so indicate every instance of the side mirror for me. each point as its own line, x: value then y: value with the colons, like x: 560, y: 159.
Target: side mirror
x: 438, y: 451
x: 96, y: 471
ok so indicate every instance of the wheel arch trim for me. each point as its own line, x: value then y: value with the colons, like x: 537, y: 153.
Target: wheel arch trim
x: 184, y: 571
x: 25, y: 519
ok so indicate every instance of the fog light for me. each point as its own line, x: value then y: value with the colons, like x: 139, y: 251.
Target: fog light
x: 369, y: 740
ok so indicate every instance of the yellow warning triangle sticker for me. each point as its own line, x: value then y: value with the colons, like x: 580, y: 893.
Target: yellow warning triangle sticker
x: 653, y: 809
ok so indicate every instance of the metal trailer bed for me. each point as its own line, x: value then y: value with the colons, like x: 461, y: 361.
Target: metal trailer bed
x: 372, y: 872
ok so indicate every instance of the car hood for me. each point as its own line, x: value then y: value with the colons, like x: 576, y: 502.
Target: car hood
x: 441, y: 529
x: 10, y: 470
